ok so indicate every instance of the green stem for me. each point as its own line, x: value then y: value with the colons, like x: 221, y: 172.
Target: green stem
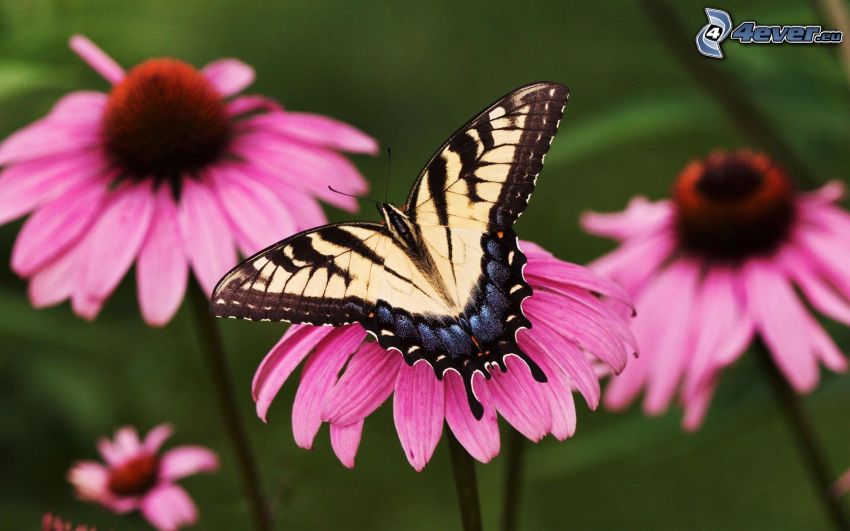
x: 209, y: 337
x: 836, y: 16
x: 514, y: 476
x: 714, y: 78
x: 813, y: 455
x: 463, y: 467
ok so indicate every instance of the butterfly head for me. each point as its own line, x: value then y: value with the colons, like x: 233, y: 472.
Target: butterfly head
x: 399, y: 224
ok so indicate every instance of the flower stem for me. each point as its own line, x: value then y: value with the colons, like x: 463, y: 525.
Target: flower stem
x: 812, y: 453
x: 463, y: 468
x: 836, y: 15
x: 710, y: 75
x: 514, y: 476
x: 209, y: 337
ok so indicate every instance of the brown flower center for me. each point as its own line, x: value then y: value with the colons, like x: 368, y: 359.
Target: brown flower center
x: 733, y: 205
x: 164, y: 119
x: 134, y: 477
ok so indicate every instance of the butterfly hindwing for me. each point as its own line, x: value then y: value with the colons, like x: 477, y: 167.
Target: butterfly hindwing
x: 482, y: 176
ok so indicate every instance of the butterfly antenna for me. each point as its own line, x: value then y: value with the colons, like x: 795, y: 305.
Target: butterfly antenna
x: 332, y: 189
x: 389, y: 172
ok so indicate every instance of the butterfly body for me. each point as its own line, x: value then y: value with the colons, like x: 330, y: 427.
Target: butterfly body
x: 440, y: 280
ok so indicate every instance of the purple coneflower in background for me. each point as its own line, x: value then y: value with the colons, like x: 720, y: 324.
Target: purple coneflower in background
x: 137, y: 477
x: 170, y: 169
x: 578, y: 318
x: 717, y: 266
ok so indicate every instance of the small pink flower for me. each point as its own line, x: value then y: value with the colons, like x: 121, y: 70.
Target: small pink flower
x: 52, y: 522
x: 171, y: 169
x: 345, y: 378
x: 137, y: 477
x: 717, y: 266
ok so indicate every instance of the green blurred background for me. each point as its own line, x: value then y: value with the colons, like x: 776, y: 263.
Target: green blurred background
x: 410, y: 74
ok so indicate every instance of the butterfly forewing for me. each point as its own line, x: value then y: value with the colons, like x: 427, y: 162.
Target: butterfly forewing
x: 482, y: 177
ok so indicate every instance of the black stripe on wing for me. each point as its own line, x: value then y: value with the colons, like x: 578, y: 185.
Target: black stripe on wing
x: 252, y: 290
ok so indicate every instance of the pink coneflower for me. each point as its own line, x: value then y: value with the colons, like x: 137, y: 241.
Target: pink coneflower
x: 137, y: 477
x: 52, y: 522
x: 170, y: 169
x: 346, y: 378
x: 717, y: 266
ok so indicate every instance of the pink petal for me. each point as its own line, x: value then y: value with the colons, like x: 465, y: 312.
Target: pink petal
x: 521, y: 400
x: 819, y: 292
x: 418, y: 412
x: 281, y: 360
x: 309, y: 168
x: 633, y: 264
x: 304, y: 209
x: 345, y: 440
x: 554, y: 272
x: 156, y: 437
x: 479, y: 437
x: 567, y: 355
x: 250, y: 104
x: 558, y: 389
x: 126, y: 444
x: 207, y: 236
x: 111, y: 246
x: 318, y: 130
x: 696, y: 406
x: 90, y: 480
x: 781, y: 321
x: 162, y: 270
x: 29, y: 185
x: 81, y: 107
x: 185, y: 461
x: 825, y: 348
x: 829, y: 254
x: 367, y: 382
x: 169, y: 507
x: 229, y: 76
x: 97, y: 59
x: 57, y: 280
x: 53, y: 228
x: 259, y: 218
x: 673, y: 349
x: 46, y: 138
x: 319, y: 374
x: 639, y: 216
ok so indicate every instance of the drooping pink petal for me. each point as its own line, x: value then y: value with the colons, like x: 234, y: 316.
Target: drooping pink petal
x: 304, y: 209
x: 257, y: 215
x: 345, y: 440
x: 229, y: 76
x: 568, y: 356
x: 318, y: 130
x: 319, y: 374
x: 162, y: 269
x: 168, y: 507
x: 56, y: 281
x: 206, y: 234
x: 111, y: 246
x: 781, y: 321
x: 156, y: 437
x: 185, y: 461
x: 418, y: 411
x: 281, y: 360
x: 829, y: 254
x: 640, y: 215
x: 824, y: 347
x: 558, y: 388
x: 97, y: 59
x: 479, y: 437
x: 56, y: 226
x: 521, y: 400
x: 673, y: 349
x: 696, y: 405
x: 46, y: 138
x: 30, y: 185
x: 367, y: 382
x: 820, y: 293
